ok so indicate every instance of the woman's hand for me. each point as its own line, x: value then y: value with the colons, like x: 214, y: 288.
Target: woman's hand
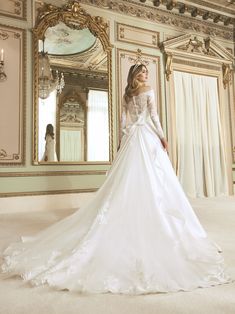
x: 164, y: 144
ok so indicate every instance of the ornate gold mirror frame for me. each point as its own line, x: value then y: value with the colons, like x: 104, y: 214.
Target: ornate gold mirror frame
x: 76, y: 18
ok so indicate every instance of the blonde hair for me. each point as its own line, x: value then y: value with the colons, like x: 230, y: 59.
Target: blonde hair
x: 132, y: 81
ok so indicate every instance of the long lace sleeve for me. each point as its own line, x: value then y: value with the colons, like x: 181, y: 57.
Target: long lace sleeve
x: 123, y: 117
x: 154, y: 116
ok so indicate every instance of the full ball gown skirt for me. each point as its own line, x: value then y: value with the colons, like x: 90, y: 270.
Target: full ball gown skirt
x: 138, y: 234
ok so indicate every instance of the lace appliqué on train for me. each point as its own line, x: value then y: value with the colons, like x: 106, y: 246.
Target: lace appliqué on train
x: 102, y: 216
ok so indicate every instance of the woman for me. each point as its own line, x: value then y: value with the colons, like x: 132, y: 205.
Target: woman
x: 139, y: 234
x: 49, y: 154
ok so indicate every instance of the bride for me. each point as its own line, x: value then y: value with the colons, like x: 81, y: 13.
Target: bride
x: 139, y: 233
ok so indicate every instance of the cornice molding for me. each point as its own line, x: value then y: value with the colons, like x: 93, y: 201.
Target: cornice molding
x: 213, y: 6
x: 170, y: 18
x: 195, y: 51
x: 190, y: 43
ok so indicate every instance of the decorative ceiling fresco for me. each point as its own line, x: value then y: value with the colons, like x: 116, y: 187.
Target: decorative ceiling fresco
x: 93, y: 59
x: 62, y: 40
x: 75, y: 49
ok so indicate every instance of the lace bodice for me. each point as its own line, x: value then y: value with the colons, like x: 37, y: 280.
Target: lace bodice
x: 139, y: 109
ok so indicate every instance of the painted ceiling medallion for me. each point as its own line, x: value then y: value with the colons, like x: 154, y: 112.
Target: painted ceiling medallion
x: 62, y: 40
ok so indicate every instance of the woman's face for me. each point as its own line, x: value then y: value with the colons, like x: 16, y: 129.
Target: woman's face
x: 143, y: 75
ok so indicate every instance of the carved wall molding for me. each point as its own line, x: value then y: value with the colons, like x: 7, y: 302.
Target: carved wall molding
x: 197, y: 64
x: 12, y: 109
x: 49, y: 15
x: 191, y: 43
x: 14, y: 8
x: 200, y: 52
x: 53, y: 192
x: 207, y: 57
x: 227, y: 74
x: 97, y: 81
x: 213, y: 6
x: 160, y: 16
x: 207, y: 11
x: 137, y: 35
x: 3, y: 35
x: 52, y: 173
x: 168, y: 69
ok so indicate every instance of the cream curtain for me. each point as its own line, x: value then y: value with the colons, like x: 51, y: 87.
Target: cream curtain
x: 97, y: 126
x: 201, y: 164
x: 71, y: 145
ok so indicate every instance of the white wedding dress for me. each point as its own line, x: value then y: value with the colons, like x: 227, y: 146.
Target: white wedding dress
x: 50, y: 153
x: 139, y: 233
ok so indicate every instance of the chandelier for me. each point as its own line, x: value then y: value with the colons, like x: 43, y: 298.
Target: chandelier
x: 46, y: 82
x: 59, y: 82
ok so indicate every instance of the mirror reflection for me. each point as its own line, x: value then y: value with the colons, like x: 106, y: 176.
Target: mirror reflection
x: 73, y: 115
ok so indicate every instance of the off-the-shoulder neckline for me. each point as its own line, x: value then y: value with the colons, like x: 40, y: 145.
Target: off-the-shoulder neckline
x: 147, y: 91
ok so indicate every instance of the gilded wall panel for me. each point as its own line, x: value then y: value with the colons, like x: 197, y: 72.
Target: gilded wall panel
x: 12, y: 91
x: 13, y: 8
x: 136, y: 35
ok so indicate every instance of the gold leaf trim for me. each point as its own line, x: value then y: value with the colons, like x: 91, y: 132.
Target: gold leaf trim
x: 71, y: 14
x: 34, y: 193
x: 52, y: 173
x: 14, y: 161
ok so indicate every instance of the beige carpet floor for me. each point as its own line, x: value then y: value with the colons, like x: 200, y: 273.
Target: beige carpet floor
x: 217, y: 216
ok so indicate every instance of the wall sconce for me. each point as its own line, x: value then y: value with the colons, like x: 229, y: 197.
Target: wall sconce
x: 3, y: 75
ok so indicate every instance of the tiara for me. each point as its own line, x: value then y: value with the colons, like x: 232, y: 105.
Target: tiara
x: 136, y: 66
x: 138, y: 60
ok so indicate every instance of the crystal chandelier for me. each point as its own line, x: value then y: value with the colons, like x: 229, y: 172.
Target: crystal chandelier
x: 46, y: 81
x: 59, y: 82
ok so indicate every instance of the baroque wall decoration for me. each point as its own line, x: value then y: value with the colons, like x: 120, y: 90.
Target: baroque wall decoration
x: 137, y: 35
x: 201, y: 56
x: 169, y: 18
x: 12, y: 91
x: 207, y: 49
x: 13, y: 8
x: 88, y: 60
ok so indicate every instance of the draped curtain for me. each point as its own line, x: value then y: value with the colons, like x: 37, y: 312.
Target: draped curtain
x: 71, y: 146
x: 97, y: 126
x: 201, y: 164
x: 47, y: 115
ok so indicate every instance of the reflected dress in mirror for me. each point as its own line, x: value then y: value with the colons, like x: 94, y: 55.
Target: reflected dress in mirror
x: 50, y: 153
x: 138, y: 234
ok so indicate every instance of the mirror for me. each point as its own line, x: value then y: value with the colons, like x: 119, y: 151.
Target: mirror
x: 72, y: 116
